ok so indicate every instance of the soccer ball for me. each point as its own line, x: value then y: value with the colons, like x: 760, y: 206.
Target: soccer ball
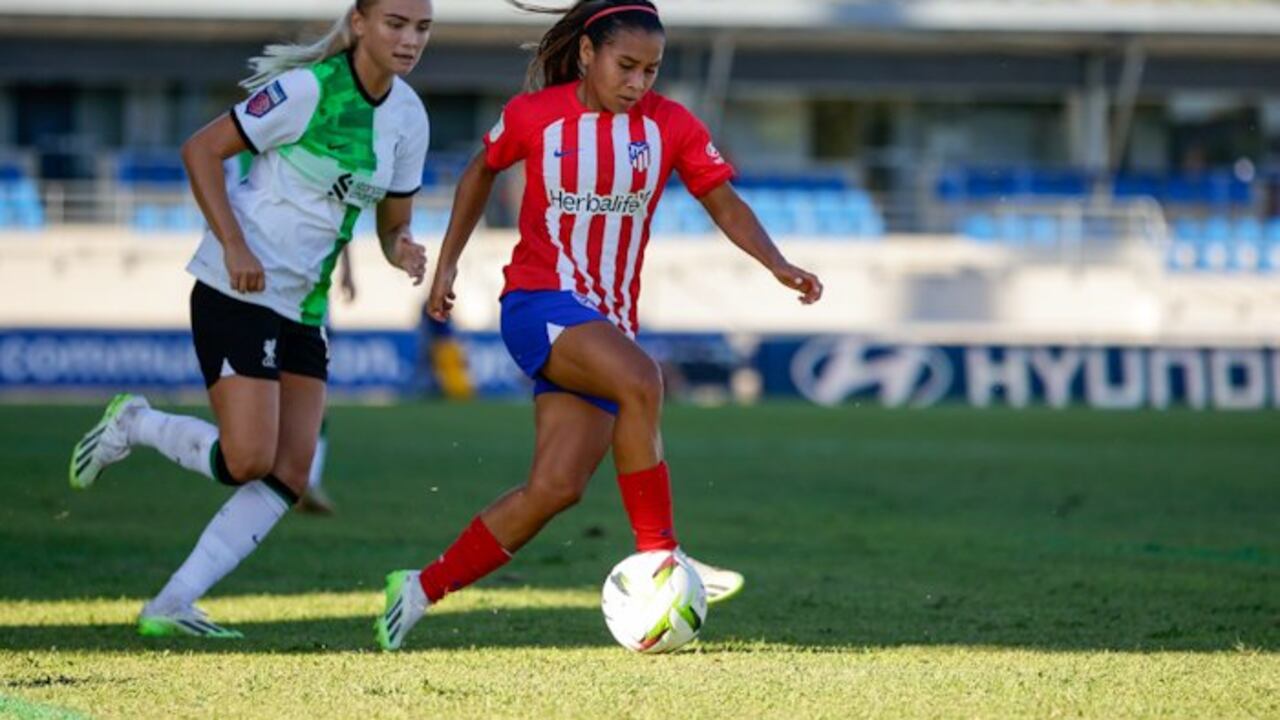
x: 654, y: 602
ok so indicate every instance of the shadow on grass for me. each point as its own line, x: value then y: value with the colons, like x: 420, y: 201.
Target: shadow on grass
x: 733, y: 628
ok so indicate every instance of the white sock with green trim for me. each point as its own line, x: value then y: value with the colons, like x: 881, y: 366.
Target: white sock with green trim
x: 230, y: 537
x: 186, y: 440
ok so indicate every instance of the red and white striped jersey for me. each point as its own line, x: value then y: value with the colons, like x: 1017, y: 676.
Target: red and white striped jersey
x: 593, y: 180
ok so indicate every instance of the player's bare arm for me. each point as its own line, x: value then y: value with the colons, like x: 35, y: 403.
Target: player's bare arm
x: 398, y: 247
x: 743, y: 228
x: 203, y: 155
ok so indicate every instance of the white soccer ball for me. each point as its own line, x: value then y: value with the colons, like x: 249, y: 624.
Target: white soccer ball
x: 654, y: 602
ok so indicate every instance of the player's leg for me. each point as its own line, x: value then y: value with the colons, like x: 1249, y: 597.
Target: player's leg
x: 296, y: 407
x: 301, y: 414
x: 235, y: 343
x: 316, y: 501
x: 572, y: 437
x: 598, y: 360
x: 247, y: 410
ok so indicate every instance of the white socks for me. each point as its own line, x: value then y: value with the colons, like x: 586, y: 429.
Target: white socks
x: 185, y: 440
x: 230, y: 537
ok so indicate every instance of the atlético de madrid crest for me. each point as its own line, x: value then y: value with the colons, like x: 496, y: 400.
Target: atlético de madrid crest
x: 639, y: 153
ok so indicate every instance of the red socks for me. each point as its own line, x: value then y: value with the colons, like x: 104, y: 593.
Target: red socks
x: 473, y: 555
x: 647, y: 497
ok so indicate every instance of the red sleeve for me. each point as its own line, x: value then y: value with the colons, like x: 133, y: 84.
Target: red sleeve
x: 699, y: 163
x: 507, y: 143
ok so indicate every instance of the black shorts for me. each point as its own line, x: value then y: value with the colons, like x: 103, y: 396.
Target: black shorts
x: 233, y: 337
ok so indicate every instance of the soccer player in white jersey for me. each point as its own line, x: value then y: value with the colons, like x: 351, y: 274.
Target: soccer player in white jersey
x: 598, y: 146
x: 328, y: 131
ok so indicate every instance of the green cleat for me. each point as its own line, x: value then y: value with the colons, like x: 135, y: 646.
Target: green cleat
x: 106, y: 443
x: 406, y: 603
x: 191, y: 621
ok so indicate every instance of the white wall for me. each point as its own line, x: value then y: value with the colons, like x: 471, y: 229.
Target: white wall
x: 911, y: 288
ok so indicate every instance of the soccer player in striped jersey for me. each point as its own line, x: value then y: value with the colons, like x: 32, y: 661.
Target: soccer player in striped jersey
x: 328, y: 131
x: 598, y: 147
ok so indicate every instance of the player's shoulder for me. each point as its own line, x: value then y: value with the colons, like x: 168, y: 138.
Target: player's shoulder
x: 406, y: 102
x: 290, y: 96
x: 666, y: 111
x: 550, y: 102
x: 301, y: 82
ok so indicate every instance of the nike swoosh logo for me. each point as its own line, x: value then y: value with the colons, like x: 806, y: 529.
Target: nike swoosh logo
x: 562, y: 152
x: 338, y: 146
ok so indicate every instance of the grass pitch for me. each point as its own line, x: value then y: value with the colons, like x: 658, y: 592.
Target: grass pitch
x: 944, y: 563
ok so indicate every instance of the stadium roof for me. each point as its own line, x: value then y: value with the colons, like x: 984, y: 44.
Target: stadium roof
x: 1182, y: 17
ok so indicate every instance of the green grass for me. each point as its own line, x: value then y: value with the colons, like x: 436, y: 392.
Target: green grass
x: 944, y: 563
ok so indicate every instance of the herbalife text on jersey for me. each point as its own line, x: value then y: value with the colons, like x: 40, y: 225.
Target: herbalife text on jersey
x: 593, y: 204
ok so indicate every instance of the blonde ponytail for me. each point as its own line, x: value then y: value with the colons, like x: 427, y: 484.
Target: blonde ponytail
x: 276, y: 60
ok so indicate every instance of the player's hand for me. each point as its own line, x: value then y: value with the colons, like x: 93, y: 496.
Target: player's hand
x: 244, y: 269
x: 440, y: 301
x: 410, y: 256
x: 800, y: 280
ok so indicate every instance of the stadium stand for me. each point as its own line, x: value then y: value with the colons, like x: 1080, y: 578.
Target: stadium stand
x: 20, y: 207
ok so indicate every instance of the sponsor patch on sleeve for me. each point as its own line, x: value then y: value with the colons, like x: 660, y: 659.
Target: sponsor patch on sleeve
x: 266, y: 100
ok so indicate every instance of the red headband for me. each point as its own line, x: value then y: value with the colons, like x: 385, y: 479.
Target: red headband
x: 613, y: 10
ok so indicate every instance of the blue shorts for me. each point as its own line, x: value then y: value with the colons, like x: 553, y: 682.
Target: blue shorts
x: 531, y: 322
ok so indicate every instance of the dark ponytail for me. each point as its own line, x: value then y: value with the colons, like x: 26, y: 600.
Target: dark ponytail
x: 556, y: 58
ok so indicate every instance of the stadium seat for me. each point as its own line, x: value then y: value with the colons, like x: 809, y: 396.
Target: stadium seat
x: 1269, y: 257
x: 1182, y: 256
x: 1042, y: 230
x: 1246, y: 256
x: 148, y: 217
x: 979, y: 226
x: 1215, y: 255
x: 1247, y: 229
x: 1217, y: 229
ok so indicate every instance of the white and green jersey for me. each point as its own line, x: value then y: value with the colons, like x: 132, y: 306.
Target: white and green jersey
x: 323, y: 151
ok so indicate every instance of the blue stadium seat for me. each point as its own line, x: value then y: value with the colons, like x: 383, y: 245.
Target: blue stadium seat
x: 666, y: 221
x: 150, y: 167
x: 147, y: 217
x: 979, y: 226
x: 1246, y: 256
x: 1215, y: 255
x: 837, y: 221
x: 776, y: 219
x: 1269, y: 256
x: 871, y: 225
x: 1188, y: 229
x: 1217, y: 229
x: 1042, y: 230
x: 1183, y: 256
x: 1013, y: 229
x: 1248, y: 230
x: 29, y: 216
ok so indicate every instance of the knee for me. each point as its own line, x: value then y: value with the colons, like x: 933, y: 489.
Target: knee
x: 642, y: 386
x: 557, y: 493
x: 247, y: 465
x: 293, y: 471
